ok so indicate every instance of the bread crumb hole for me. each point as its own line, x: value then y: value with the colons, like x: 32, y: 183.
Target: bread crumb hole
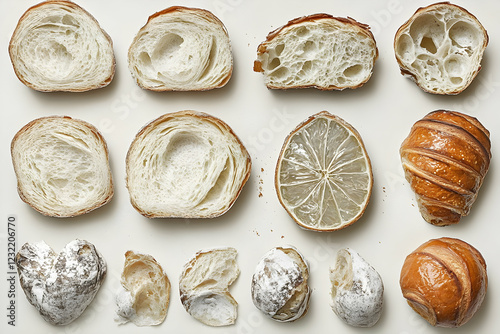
x: 353, y: 71
x: 428, y: 44
x: 274, y: 63
x: 279, y: 49
x: 456, y: 80
x: 280, y: 73
x: 302, y: 32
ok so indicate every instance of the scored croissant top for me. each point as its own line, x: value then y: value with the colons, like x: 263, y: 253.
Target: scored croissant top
x: 445, y: 158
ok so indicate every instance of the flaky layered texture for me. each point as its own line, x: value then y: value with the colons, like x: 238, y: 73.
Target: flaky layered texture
x: 62, y: 166
x: 58, y: 46
x: 280, y: 284
x: 144, y: 294
x: 181, y: 49
x: 357, y: 291
x: 186, y: 164
x: 204, y: 286
x: 440, y: 47
x: 60, y: 286
x: 445, y: 281
x: 445, y: 158
x: 318, y: 51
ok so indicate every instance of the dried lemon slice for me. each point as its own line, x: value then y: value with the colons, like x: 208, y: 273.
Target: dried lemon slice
x: 324, y: 176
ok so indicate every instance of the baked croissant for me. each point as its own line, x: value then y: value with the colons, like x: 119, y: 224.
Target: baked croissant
x: 445, y: 281
x: 445, y: 158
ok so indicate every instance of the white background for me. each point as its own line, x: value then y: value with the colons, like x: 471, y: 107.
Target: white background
x: 382, y: 111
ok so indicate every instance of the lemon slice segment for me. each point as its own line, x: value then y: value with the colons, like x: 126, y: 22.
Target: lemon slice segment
x: 324, y: 176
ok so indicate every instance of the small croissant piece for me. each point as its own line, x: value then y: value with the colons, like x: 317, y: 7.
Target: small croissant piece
x: 445, y: 281
x: 445, y: 158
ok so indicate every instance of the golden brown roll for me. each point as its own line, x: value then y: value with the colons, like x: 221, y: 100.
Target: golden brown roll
x: 445, y: 158
x: 444, y: 280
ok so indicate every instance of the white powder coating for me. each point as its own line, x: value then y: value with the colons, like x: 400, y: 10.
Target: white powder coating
x: 357, y: 290
x: 279, y: 281
x: 60, y: 286
x: 144, y: 294
x: 440, y: 48
x: 204, y: 286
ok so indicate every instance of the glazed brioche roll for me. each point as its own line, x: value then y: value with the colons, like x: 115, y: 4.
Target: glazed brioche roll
x: 445, y: 281
x: 445, y: 159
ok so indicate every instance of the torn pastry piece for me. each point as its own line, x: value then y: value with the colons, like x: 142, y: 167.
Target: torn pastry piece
x: 144, y: 293
x: 204, y: 286
x: 357, y: 292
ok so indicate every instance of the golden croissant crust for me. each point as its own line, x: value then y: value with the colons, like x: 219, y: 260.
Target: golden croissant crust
x: 445, y: 281
x: 445, y: 158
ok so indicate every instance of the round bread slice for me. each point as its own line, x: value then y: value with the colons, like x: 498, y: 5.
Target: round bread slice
x: 144, y: 293
x: 181, y: 49
x: 58, y: 46
x: 279, y: 284
x: 320, y: 51
x: 440, y: 47
x: 204, y: 286
x: 186, y: 165
x: 62, y: 166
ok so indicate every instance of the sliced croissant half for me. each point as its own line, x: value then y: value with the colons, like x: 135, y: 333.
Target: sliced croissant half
x: 186, y: 165
x: 181, y: 49
x: 58, y: 46
x: 62, y: 166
